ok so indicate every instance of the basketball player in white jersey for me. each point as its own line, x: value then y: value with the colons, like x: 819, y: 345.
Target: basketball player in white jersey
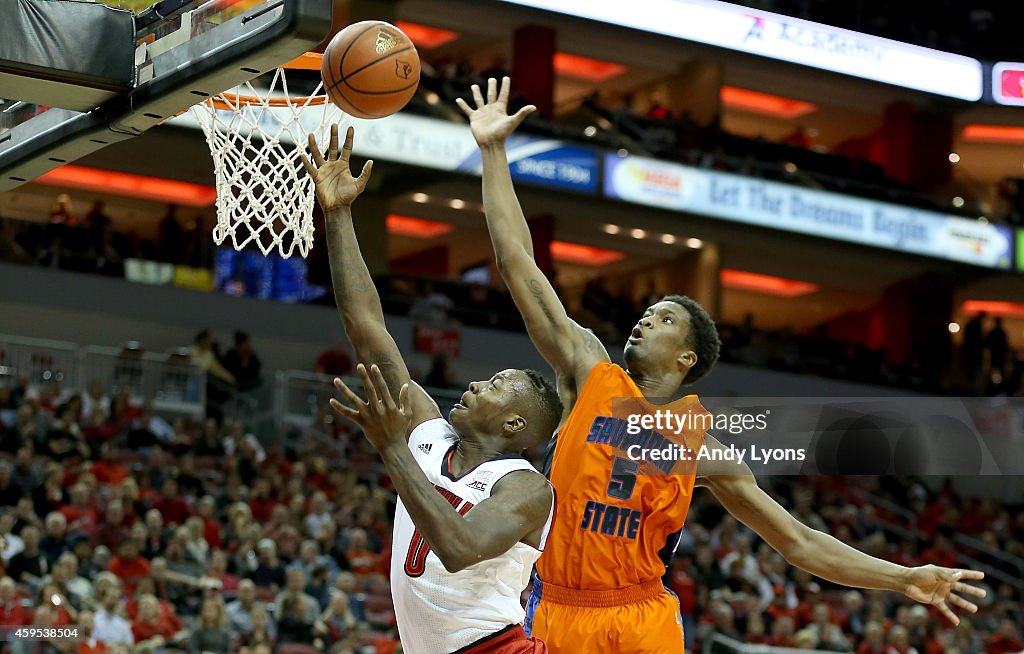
x: 473, y: 514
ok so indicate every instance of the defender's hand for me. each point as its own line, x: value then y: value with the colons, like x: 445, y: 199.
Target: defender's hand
x: 931, y: 584
x: 335, y: 185
x: 384, y: 423
x: 490, y: 121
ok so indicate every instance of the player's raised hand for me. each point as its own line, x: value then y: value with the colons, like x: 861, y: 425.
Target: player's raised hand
x: 940, y: 587
x: 490, y: 121
x: 385, y: 423
x: 335, y: 185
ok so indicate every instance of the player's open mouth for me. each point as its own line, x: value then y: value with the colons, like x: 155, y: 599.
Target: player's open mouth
x: 636, y: 336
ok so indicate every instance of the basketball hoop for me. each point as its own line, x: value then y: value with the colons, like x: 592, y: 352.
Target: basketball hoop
x: 255, y: 136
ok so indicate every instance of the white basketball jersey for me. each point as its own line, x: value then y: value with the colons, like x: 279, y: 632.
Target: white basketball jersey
x: 441, y: 612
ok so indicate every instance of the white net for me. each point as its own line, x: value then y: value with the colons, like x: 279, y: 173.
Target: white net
x: 264, y: 195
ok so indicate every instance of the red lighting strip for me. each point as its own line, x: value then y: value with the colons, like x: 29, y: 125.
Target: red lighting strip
x: 416, y: 227
x: 767, y: 284
x: 765, y: 103
x: 994, y: 133
x: 593, y: 70
x: 426, y: 37
x: 586, y: 255
x: 994, y: 308
x: 131, y: 185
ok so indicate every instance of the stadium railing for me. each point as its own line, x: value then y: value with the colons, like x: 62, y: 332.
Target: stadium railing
x: 981, y: 546
x: 301, y: 396
x: 171, y: 381
x: 38, y: 361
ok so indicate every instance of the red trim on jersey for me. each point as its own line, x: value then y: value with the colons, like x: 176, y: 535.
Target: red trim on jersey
x: 446, y: 463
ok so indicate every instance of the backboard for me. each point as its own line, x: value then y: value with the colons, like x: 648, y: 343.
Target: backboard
x: 176, y: 53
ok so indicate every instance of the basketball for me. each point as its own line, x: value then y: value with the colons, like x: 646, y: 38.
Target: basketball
x: 370, y: 69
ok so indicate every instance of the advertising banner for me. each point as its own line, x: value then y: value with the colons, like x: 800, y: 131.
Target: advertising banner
x: 1008, y: 83
x: 443, y: 145
x: 806, y: 211
x: 794, y: 40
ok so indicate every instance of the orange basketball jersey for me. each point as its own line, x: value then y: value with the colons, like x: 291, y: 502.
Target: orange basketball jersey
x: 617, y: 518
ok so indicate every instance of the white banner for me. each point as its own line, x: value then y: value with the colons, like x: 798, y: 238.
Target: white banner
x: 806, y: 211
x: 788, y: 39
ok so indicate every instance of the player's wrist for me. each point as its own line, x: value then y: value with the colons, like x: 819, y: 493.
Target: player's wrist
x: 338, y: 211
x: 391, y: 451
x: 496, y: 144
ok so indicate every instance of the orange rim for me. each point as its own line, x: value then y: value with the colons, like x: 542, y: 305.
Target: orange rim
x: 307, y: 61
x: 230, y: 101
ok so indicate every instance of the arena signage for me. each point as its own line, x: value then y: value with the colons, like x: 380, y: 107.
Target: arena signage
x: 1008, y: 83
x: 787, y: 39
x: 816, y: 213
x: 443, y: 145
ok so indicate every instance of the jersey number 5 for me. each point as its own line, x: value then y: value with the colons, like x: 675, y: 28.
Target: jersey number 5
x: 623, y: 478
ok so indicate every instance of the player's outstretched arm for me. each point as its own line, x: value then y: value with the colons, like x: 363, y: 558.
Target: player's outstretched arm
x: 569, y: 349
x: 516, y: 510
x: 820, y: 554
x: 354, y: 292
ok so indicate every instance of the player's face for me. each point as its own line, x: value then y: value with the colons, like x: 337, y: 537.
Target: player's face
x: 660, y: 335
x: 489, y: 404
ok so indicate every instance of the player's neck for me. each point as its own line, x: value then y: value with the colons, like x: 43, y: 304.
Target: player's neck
x: 469, y: 453
x: 655, y: 386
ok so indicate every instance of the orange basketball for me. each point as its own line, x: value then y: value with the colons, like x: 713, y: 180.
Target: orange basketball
x: 370, y: 69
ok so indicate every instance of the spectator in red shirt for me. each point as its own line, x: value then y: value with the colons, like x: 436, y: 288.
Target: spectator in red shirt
x: 88, y: 644
x: 148, y: 586
x: 151, y: 627
x: 260, y: 501
x: 211, y: 526
x: 81, y: 513
x: 129, y: 566
x: 872, y: 643
x: 172, y: 507
x: 657, y: 110
x: 334, y: 361
x: 1006, y: 640
x: 115, y: 528
x: 755, y: 630
x: 899, y: 641
x: 109, y: 471
x: 61, y: 611
x: 218, y: 569
x: 941, y: 553
x: 11, y: 610
x: 360, y: 558
x: 783, y: 630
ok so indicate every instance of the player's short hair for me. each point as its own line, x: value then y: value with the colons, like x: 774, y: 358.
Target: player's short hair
x: 703, y: 337
x: 549, y: 406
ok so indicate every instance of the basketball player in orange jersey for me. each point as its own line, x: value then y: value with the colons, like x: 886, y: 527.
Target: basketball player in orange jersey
x: 598, y: 586
x: 473, y: 515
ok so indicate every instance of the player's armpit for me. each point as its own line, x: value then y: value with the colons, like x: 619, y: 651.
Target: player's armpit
x: 570, y: 349
x: 517, y: 510
x: 591, y: 352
